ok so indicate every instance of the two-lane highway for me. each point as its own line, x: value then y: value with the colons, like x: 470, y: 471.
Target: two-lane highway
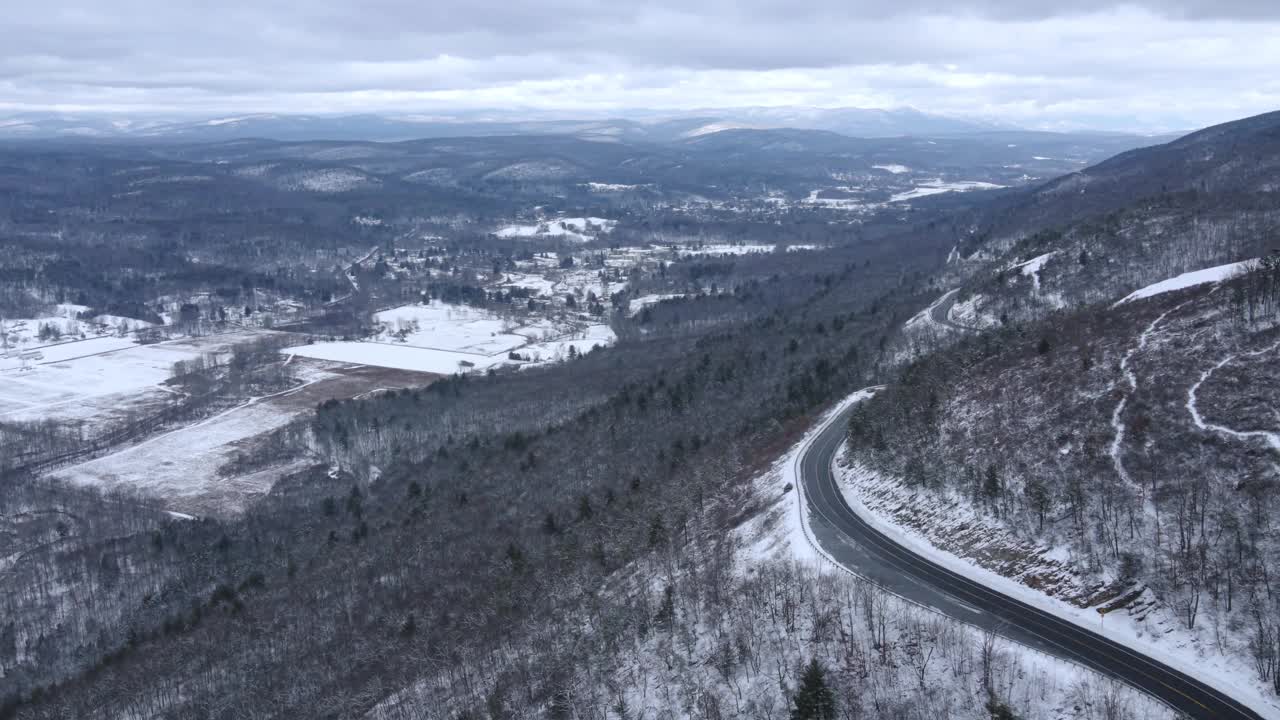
x: 849, y: 540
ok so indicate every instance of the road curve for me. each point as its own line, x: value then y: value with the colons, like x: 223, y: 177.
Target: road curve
x: 853, y: 543
x: 940, y: 312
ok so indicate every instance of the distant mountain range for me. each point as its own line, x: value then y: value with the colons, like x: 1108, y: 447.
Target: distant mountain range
x: 641, y: 126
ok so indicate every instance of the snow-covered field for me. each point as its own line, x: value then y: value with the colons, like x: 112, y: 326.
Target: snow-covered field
x: 644, y: 301
x: 545, y: 280
x: 580, y: 229
x: 63, y: 326
x: 181, y: 466
x: 582, y: 339
x: 598, y: 187
x: 536, y: 284
x: 98, y: 378
x: 840, y: 203
x: 727, y: 249
x: 445, y: 339
x: 33, y: 354
x: 935, y: 187
x: 187, y: 466
x: 458, y: 328
x: 399, y: 357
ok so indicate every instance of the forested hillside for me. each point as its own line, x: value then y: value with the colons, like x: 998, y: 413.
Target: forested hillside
x: 1106, y: 443
x: 477, y: 505
x: 1204, y: 200
x: 602, y: 533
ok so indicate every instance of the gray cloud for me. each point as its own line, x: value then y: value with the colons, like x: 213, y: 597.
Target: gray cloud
x: 1039, y: 60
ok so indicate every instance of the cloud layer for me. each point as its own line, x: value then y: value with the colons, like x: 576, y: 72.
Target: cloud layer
x: 1090, y: 62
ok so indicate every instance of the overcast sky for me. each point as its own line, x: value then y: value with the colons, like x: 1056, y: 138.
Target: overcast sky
x: 1150, y: 64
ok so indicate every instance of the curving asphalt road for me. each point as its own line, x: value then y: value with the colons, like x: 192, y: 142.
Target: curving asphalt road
x: 941, y: 312
x: 866, y: 551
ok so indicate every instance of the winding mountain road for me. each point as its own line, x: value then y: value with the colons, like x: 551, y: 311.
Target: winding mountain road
x: 852, y: 542
x: 940, y: 312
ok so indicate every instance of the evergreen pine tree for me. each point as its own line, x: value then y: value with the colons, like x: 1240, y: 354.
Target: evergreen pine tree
x: 814, y: 700
x: 991, y: 485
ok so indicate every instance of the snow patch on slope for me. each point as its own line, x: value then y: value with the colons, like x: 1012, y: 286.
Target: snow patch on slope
x: 712, y: 128
x: 1032, y: 267
x: 1191, y: 279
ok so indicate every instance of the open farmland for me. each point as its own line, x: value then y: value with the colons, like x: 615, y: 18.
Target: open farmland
x: 114, y: 382
x: 193, y: 467
x: 96, y: 379
x: 444, y: 339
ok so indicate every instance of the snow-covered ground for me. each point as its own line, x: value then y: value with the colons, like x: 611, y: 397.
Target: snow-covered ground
x: 966, y: 313
x: 181, y: 466
x: 640, y: 303
x: 598, y: 187
x: 93, y: 379
x: 894, y: 168
x: 582, y: 339
x: 925, y: 318
x: 1271, y: 438
x: 191, y: 467
x: 329, y: 180
x: 533, y: 170
x: 459, y: 328
x: 714, y: 249
x: 935, y: 187
x: 18, y: 357
x: 1191, y: 279
x: 1032, y: 267
x: 724, y: 249
x: 546, y: 280
x: 714, y: 127
x: 254, y: 170
x: 883, y: 501
x: 1055, y: 688
x: 63, y: 326
x: 537, y: 284
x: 105, y: 381
x: 445, y: 339
x: 580, y: 229
x: 171, y: 179
x: 734, y: 652
x: 399, y: 357
x: 844, y: 202
x: 792, y: 534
